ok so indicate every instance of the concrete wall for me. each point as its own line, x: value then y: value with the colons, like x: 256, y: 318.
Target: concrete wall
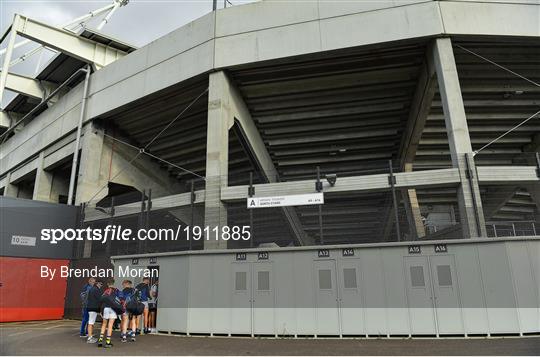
x: 257, y: 32
x: 475, y: 287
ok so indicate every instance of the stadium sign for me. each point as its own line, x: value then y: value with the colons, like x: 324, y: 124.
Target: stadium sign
x: 23, y: 240
x: 282, y: 201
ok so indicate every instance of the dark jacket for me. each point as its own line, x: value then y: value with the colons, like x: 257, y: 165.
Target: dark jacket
x: 126, y: 294
x: 111, y: 298
x: 145, y: 291
x: 94, y: 297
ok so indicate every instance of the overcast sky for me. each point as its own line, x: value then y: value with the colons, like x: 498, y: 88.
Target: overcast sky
x: 138, y: 23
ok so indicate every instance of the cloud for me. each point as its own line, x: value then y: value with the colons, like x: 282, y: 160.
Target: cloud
x: 54, y: 14
x: 138, y: 23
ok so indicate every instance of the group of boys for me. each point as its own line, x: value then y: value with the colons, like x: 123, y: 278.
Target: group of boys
x: 128, y: 305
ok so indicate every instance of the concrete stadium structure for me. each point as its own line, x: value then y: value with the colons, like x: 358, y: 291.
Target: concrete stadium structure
x: 279, y: 88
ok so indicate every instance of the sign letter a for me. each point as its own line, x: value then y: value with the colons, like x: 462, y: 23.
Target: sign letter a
x: 251, y: 203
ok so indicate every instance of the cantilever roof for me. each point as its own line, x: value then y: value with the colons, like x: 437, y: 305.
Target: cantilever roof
x: 62, y: 66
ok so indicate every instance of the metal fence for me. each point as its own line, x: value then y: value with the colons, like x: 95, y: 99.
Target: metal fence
x: 349, y: 217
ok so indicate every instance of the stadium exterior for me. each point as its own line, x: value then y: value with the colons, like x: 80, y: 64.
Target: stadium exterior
x: 413, y: 105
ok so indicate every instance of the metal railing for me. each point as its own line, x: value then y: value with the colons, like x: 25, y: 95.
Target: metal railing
x: 512, y: 229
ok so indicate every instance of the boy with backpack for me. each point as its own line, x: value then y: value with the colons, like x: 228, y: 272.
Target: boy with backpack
x: 144, y: 290
x: 93, y: 306
x: 133, y: 308
x: 111, y: 308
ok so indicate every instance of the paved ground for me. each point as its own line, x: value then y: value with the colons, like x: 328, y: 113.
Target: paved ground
x: 61, y: 338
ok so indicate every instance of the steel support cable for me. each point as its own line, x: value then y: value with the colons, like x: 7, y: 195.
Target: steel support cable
x: 498, y: 65
x: 176, y: 118
x: 143, y: 150
x: 507, y: 132
x: 515, y: 74
x: 153, y: 156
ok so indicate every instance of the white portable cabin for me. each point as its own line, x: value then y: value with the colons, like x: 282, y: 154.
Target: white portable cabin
x: 468, y: 287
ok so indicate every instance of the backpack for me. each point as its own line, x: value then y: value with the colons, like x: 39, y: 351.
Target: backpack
x: 110, y: 299
x: 144, y: 291
x: 84, y: 296
x: 133, y: 303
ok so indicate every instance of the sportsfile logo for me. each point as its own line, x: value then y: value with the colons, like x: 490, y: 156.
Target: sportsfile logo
x: 119, y: 233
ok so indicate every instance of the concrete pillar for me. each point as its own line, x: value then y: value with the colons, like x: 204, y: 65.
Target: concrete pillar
x: 43, y: 182
x: 470, y: 204
x: 91, y: 181
x: 225, y: 106
x: 10, y: 190
x: 220, y: 120
x: 413, y: 209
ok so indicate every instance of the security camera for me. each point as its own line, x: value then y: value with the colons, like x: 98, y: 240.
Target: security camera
x: 331, y: 178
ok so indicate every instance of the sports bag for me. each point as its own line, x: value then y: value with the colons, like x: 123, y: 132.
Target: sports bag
x: 133, y: 303
x: 84, y: 297
x: 144, y: 290
x: 110, y: 299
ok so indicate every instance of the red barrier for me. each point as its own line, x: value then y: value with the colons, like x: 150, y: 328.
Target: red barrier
x: 25, y: 295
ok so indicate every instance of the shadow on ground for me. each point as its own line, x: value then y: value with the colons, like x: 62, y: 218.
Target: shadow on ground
x: 61, y: 338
